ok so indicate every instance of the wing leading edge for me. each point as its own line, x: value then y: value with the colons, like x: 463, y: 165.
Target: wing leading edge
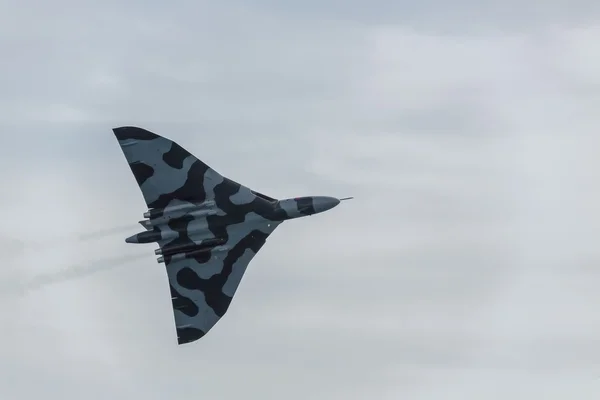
x: 207, y: 226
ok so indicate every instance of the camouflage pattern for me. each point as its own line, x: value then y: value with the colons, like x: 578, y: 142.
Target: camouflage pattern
x: 208, y: 227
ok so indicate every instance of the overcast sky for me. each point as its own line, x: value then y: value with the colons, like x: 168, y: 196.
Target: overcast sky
x: 467, y: 267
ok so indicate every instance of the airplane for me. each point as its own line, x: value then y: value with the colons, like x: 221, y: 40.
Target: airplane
x: 208, y: 227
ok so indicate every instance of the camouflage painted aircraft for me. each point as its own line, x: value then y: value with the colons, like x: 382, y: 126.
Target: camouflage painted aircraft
x: 208, y: 227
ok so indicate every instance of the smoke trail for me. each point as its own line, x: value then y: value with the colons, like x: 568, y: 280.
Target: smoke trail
x: 83, y: 237
x: 66, y: 274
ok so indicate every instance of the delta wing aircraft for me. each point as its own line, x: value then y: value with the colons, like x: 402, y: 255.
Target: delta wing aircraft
x: 208, y: 227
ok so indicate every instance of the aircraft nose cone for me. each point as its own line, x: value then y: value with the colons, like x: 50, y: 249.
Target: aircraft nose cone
x: 324, y: 203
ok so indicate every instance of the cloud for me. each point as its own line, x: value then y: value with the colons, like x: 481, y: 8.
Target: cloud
x: 463, y: 268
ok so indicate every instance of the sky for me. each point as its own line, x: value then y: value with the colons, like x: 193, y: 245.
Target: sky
x: 465, y: 268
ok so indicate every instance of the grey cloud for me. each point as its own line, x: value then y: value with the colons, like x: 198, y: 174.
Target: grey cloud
x: 443, y: 17
x: 177, y: 67
x: 463, y: 268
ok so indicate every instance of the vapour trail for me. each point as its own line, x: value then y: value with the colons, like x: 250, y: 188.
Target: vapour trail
x: 83, y: 237
x: 66, y: 274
